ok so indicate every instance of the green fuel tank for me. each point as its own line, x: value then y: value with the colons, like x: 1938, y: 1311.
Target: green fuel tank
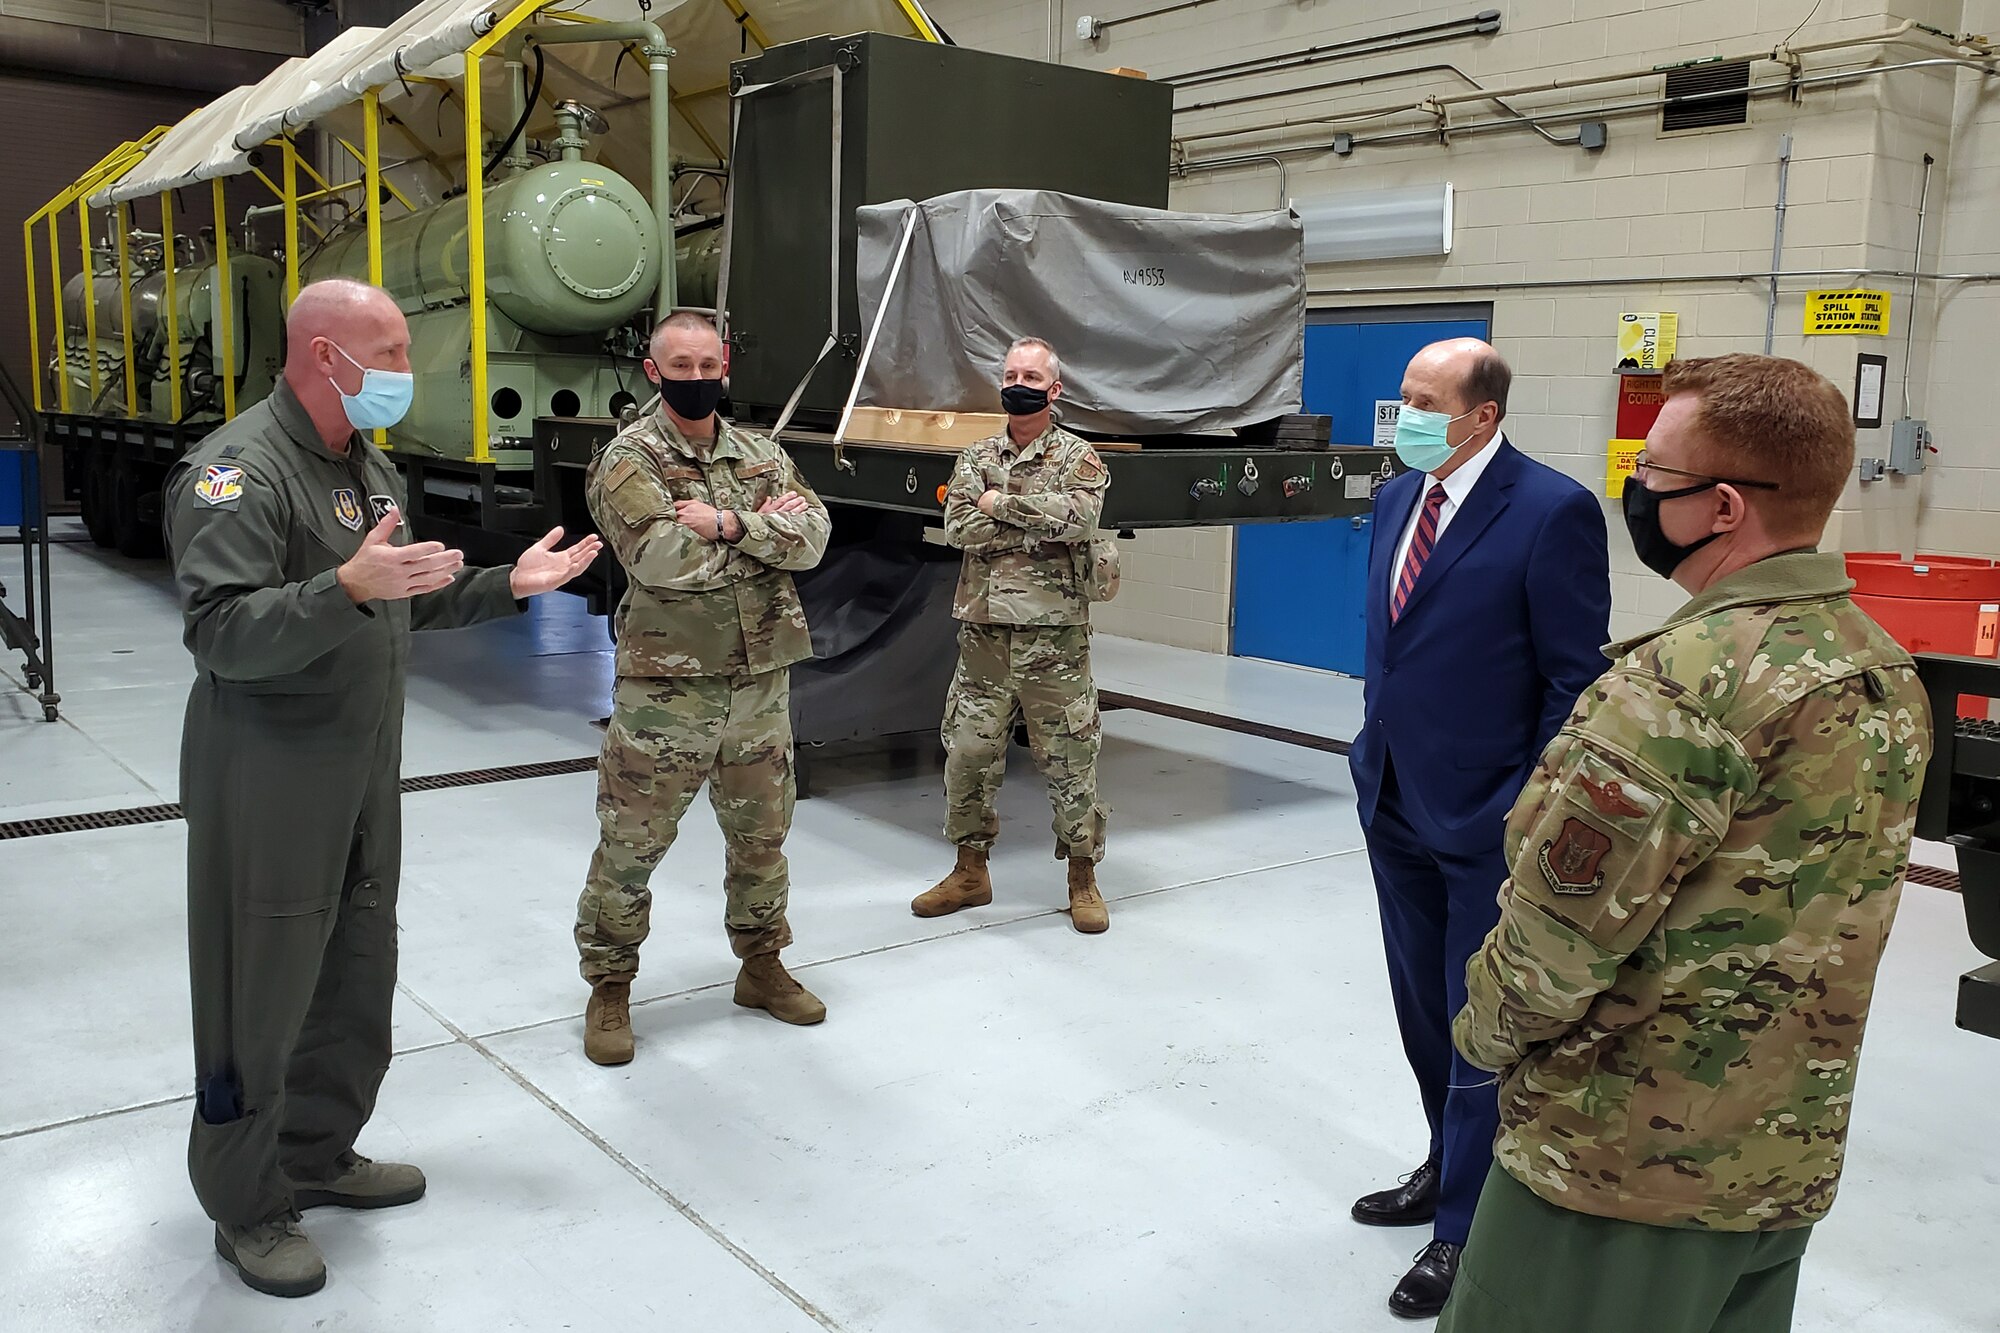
x: 571, y: 248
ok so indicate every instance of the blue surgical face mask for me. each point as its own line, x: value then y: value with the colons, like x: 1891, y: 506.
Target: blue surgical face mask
x: 385, y: 395
x: 1420, y: 437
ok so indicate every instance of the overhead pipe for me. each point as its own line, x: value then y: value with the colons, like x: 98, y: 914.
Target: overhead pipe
x: 1483, y: 23
x: 1966, y: 51
x: 1650, y: 280
x: 1444, y: 66
x: 1566, y: 114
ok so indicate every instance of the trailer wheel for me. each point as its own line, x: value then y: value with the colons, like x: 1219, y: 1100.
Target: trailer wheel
x: 98, y: 502
x: 135, y: 536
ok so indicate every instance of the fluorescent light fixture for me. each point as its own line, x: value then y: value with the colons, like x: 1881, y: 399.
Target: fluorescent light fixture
x: 1398, y: 223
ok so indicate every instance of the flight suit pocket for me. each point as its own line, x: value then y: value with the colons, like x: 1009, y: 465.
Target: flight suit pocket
x: 759, y: 481
x: 635, y: 497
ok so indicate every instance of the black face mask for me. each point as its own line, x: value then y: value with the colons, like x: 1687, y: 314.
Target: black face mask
x: 691, y: 400
x: 1022, y: 400
x: 1642, y: 519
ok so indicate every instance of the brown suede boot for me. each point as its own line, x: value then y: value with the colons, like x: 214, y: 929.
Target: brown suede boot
x: 1087, y: 911
x: 968, y: 885
x: 763, y: 983
x: 607, y: 1023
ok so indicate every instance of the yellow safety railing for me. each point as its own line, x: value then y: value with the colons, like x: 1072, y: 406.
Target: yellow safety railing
x: 225, y: 302
x: 173, y: 311
x: 106, y: 169
x: 89, y: 295
x: 371, y: 145
x: 291, y: 220
x: 123, y: 216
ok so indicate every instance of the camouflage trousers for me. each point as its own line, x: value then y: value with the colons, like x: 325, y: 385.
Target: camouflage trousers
x: 668, y: 736
x: 1043, y: 676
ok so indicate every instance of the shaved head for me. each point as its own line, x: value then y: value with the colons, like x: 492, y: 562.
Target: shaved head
x: 336, y: 330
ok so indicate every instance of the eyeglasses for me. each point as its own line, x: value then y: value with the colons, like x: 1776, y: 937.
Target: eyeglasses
x: 1641, y: 467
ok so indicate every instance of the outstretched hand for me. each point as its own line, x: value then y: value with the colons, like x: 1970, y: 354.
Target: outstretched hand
x: 542, y: 568
x: 384, y: 572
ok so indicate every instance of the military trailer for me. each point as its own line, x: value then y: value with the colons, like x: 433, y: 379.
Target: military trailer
x: 537, y: 184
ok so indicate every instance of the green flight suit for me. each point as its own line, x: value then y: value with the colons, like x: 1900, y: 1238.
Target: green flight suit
x: 289, y: 779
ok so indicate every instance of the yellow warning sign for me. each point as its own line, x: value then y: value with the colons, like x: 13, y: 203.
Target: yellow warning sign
x: 1646, y: 339
x: 1847, y: 312
x: 1621, y: 460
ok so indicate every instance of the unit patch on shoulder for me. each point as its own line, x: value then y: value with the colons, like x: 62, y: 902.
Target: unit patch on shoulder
x: 1089, y: 472
x: 220, y: 484
x: 1573, y: 860
x: 347, y: 509
x: 380, y: 505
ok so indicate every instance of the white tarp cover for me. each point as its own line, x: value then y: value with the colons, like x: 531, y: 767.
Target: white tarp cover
x: 1164, y: 321
x: 211, y: 141
x: 426, y: 128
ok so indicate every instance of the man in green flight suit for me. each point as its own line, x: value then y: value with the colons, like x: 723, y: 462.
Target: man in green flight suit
x: 299, y: 587
x: 709, y: 522
x: 1024, y: 507
x: 1703, y: 870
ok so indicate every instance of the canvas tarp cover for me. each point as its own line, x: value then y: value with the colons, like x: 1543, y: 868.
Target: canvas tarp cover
x: 1164, y: 321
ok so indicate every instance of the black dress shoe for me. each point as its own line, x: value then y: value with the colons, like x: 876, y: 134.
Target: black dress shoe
x: 1411, y: 1203
x: 1427, y: 1286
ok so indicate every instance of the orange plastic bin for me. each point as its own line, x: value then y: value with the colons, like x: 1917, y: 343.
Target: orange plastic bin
x: 1933, y: 604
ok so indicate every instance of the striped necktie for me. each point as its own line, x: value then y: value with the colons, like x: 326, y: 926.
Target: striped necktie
x: 1420, y: 551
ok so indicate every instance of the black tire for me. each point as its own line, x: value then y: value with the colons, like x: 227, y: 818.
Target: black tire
x: 136, y: 537
x: 98, y: 503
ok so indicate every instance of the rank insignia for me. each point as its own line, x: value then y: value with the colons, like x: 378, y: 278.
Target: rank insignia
x: 220, y: 484
x: 1573, y: 860
x: 347, y: 509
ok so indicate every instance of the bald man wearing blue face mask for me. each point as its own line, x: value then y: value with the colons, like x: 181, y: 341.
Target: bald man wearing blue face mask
x: 299, y: 586
x: 1488, y: 602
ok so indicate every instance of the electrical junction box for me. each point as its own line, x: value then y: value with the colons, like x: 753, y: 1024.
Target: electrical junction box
x: 1909, y: 445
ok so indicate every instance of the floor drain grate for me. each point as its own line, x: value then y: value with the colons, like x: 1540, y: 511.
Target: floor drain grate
x: 1933, y: 877
x: 166, y: 814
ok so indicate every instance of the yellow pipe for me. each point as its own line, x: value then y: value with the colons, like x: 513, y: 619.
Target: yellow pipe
x: 917, y: 20
x: 371, y: 140
x: 475, y: 236
x: 291, y: 221
x: 62, y: 334
x: 172, y: 311
x: 89, y: 296
x: 225, y: 290
x: 362, y: 157
x: 475, y: 218
x: 125, y: 309
x: 34, y: 306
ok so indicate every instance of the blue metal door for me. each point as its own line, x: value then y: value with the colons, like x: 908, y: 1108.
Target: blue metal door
x: 1299, y: 587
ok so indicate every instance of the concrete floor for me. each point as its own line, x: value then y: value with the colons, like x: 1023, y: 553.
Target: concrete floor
x: 1004, y: 1125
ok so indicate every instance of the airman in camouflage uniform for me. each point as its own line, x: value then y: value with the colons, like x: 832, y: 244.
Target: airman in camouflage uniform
x: 707, y: 521
x: 1703, y: 872
x: 1023, y: 506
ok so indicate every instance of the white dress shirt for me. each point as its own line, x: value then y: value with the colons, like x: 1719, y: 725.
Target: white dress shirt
x: 1456, y: 488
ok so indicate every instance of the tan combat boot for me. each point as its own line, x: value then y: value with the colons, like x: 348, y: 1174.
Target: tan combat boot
x: 765, y: 984
x: 968, y: 885
x: 1087, y: 911
x: 607, y: 1023
x: 277, y: 1258
x: 360, y: 1182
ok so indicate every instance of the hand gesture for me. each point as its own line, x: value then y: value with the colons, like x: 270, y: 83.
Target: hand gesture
x: 542, y: 568
x: 791, y: 502
x: 383, y: 572
x: 704, y: 519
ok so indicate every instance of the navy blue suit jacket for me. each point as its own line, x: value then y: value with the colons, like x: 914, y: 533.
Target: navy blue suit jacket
x: 1504, y: 629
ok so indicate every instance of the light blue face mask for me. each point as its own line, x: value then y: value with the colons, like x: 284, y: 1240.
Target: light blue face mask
x: 384, y: 398
x: 1420, y: 437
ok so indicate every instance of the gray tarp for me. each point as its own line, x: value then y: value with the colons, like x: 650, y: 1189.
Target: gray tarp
x: 1164, y: 321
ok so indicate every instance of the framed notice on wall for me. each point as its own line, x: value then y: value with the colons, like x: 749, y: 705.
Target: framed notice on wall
x: 1870, y: 372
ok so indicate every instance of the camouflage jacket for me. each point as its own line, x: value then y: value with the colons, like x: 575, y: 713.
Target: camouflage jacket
x: 1702, y: 873
x: 697, y: 607
x: 1025, y: 564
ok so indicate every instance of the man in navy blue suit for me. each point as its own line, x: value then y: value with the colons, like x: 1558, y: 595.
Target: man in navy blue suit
x: 1489, y: 600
